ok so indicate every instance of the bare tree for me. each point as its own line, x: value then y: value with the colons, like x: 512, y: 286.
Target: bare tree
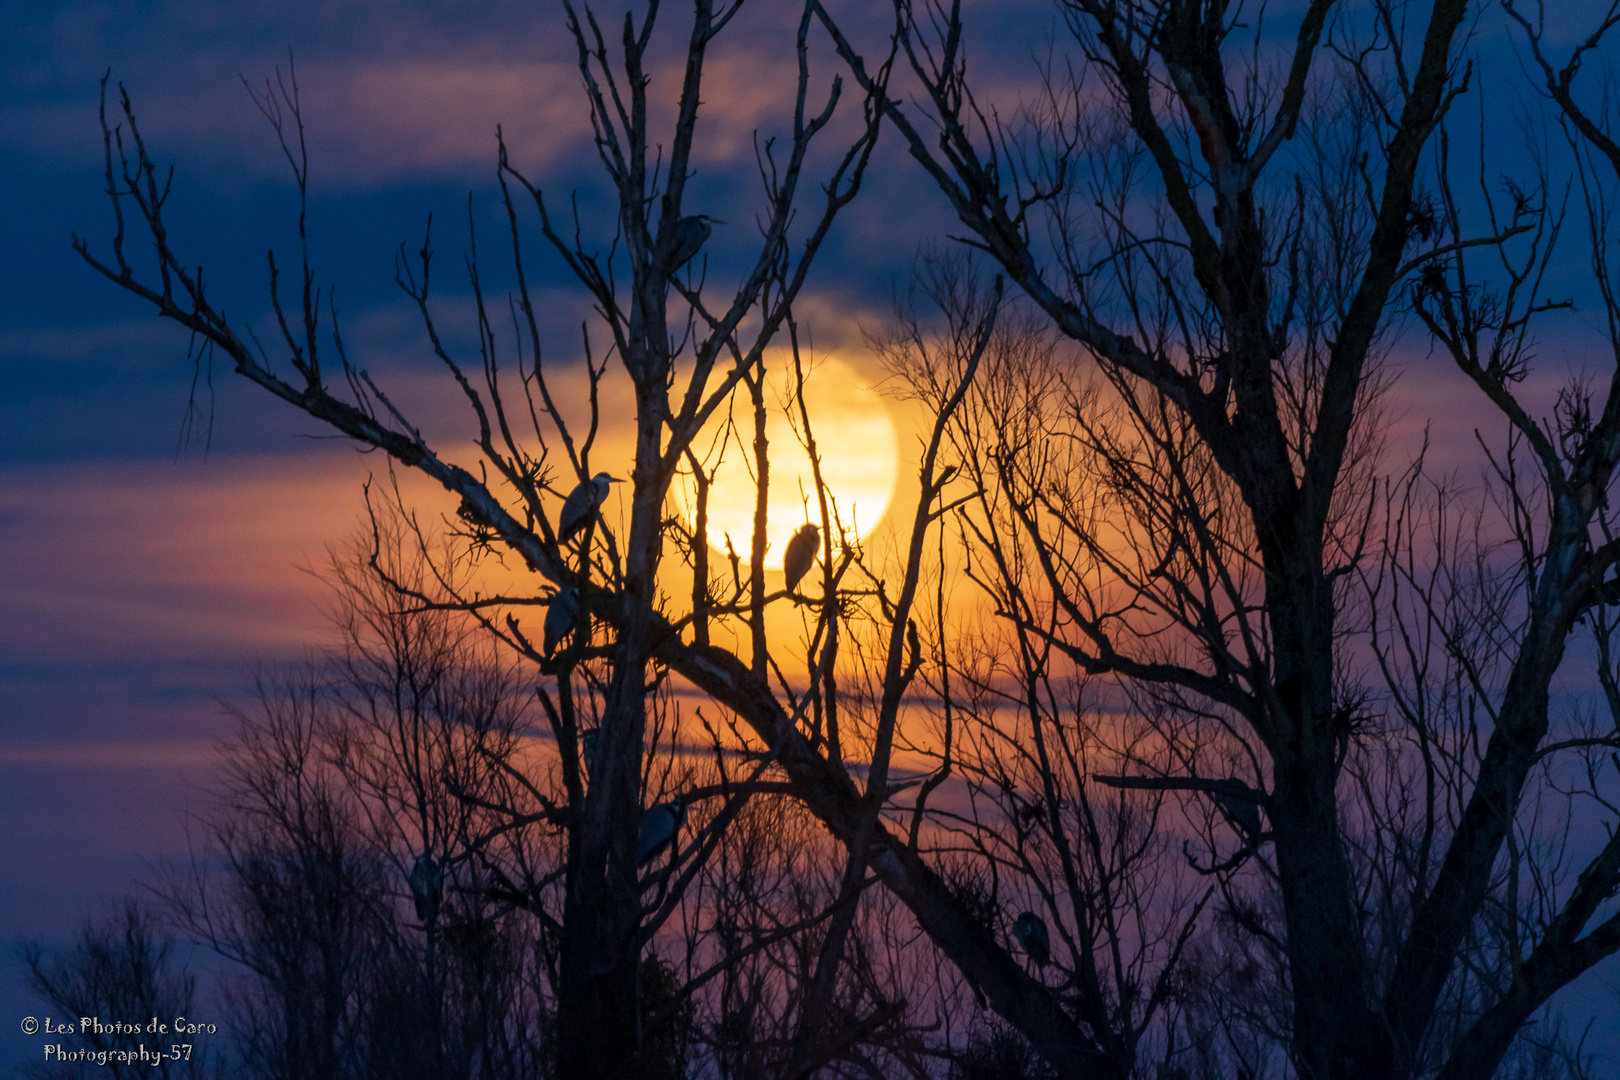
x: 298, y: 894
x: 427, y: 718
x: 603, y: 576
x: 122, y: 969
x: 340, y: 864
x: 1197, y: 532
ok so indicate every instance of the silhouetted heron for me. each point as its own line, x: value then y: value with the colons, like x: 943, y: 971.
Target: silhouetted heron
x: 583, y: 502
x: 658, y: 828
x: 800, y: 554
x: 1243, y: 813
x: 560, y: 616
x: 1030, y: 931
x: 427, y: 887
x: 587, y: 744
x: 690, y: 234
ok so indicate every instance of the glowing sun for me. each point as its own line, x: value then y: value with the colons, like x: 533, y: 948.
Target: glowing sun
x: 855, y: 438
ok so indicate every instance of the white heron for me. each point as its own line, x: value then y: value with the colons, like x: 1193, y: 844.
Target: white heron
x: 582, y: 503
x: 560, y: 616
x: 427, y: 887
x: 1030, y: 931
x: 690, y: 234
x: 800, y: 554
x: 658, y: 828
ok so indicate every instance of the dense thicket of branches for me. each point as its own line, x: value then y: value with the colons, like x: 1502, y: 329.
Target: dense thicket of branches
x: 411, y: 739
x: 1208, y: 532
x: 1242, y: 754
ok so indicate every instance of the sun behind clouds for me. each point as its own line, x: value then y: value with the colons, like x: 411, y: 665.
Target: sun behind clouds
x: 855, y: 438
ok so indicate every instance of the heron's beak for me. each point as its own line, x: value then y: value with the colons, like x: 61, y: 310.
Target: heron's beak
x: 715, y: 221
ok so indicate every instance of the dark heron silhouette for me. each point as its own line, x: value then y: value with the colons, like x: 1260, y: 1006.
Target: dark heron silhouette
x: 583, y: 503
x: 1030, y: 931
x: 800, y: 554
x: 690, y: 235
x: 427, y: 887
x: 658, y: 828
x: 560, y: 616
x: 1244, y: 814
x: 587, y: 745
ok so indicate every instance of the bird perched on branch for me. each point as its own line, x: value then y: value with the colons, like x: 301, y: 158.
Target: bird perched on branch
x: 1030, y: 931
x: 1242, y: 813
x: 690, y: 234
x: 427, y: 887
x: 800, y: 554
x: 583, y: 503
x: 659, y: 825
x: 560, y: 616
x: 587, y: 744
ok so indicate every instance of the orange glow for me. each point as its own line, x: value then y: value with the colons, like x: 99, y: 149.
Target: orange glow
x: 855, y: 439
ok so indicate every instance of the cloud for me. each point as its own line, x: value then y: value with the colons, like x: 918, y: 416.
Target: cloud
x: 125, y: 343
x: 112, y: 754
x: 367, y: 122
x: 169, y: 562
x: 374, y: 121
x: 387, y: 92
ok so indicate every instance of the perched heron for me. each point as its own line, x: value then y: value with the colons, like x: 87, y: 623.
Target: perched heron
x: 582, y: 503
x: 1244, y: 814
x: 427, y: 886
x: 587, y: 744
x: 690, y: 234
x: 560, y: 616
x: 1030, y: 931
x: 800, y: 554
x: 658, y: 828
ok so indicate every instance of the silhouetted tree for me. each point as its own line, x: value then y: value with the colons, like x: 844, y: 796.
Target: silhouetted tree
x: 610, y: 579
x: 1175, y: 510
x: 121, y: 969
x: 1183, y: 504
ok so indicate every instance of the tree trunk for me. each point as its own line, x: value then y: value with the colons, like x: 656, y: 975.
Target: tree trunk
x: 598, y: 1036
x: 596, y: 1007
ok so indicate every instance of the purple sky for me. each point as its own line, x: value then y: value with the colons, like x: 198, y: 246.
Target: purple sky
x: 137, y: 584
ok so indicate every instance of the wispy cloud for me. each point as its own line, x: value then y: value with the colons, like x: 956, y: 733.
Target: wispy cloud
x: 102, y: 343
x: 112, y: 754
x: 191, y: 561
x: 389, y: 91
x: 367, y: 121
